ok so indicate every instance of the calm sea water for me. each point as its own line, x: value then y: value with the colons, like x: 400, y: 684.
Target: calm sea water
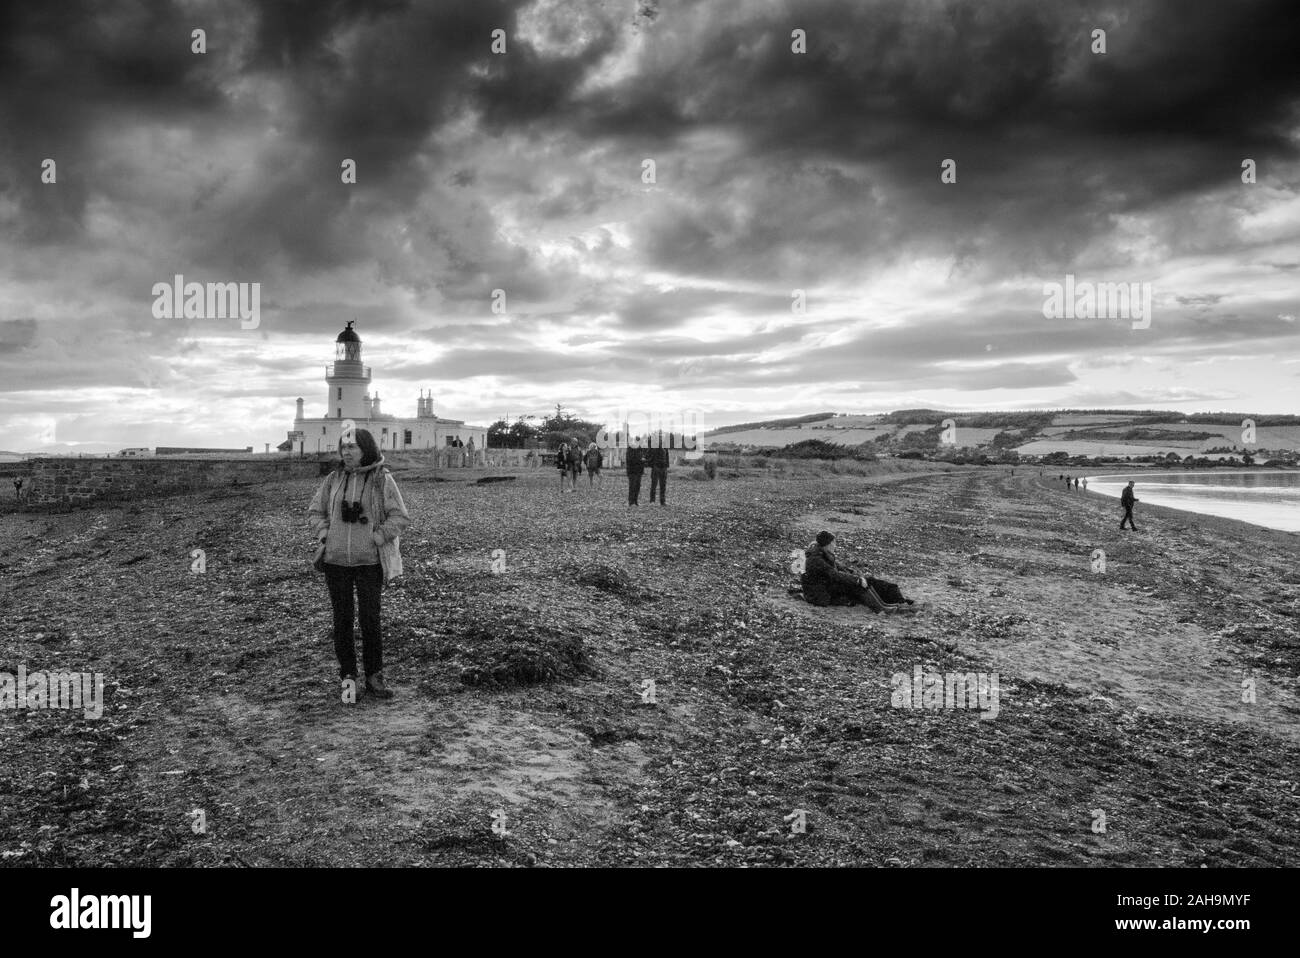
x: 1269, y: 499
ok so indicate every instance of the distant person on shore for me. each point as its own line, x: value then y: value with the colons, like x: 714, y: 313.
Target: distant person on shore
x: 1076, y: 483
x: 18, y: 488
x: 1085, y: 484
x: 357, y: 514
x: 827, y: 581
x: 635, y: 470
x: 1127, y: 500
x: 593, y: 458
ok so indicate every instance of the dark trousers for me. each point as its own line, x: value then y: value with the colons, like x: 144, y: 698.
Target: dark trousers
x: 1128, y: 517
x: 856, y: 595
x: 659, y: 481
x: 367, y: 580
x: 633, y: 488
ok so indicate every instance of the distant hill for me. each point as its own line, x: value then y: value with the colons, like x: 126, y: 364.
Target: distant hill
x: 1118, y: 433
x: 772, y: 423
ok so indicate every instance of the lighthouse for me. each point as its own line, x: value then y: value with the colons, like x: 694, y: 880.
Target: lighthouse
x: 348, y: 379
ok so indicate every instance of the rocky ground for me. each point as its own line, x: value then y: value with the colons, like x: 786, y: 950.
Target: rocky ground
x: 521, y: 691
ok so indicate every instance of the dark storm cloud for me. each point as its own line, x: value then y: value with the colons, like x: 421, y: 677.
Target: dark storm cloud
x: 1050, y: 140
x: 647, y: 311
x: 67, y: 71
x: 16, y: 334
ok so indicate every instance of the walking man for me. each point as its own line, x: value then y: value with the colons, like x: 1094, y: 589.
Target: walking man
x: 635, y: 469
x: 1127, y: 499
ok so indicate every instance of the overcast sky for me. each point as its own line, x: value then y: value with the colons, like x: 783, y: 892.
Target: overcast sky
x: 523, y: 171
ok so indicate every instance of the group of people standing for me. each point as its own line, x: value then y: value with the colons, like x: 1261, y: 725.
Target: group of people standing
x: 1072, y: 479
x: 570, y: 459
x: 637, y: 460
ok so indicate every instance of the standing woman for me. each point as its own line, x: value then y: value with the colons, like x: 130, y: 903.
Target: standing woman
x: 575, y: 461
x: 357, y: 511
x: 562, y: 462
x: 593, y: 459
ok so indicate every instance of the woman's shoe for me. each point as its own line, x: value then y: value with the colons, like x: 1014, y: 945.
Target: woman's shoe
x: 375, y: 686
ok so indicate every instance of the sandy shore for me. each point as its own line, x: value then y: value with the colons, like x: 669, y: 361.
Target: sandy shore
x: 1120, y: 692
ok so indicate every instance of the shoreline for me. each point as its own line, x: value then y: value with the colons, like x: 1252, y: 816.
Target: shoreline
x: 1242, y: 527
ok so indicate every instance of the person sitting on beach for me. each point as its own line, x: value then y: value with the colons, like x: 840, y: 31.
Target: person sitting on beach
x: 827, y: 581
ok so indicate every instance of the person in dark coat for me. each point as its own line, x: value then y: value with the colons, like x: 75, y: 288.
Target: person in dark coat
x: 563, y: 464
x: 635, y: 470
x: 575, y: 461
x: 1127, y: 500
x: 658, y: 458
x: 827, y: 581
x: 593, y: 459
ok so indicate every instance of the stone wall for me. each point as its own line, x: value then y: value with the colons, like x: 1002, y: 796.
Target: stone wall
x: 76, y: 482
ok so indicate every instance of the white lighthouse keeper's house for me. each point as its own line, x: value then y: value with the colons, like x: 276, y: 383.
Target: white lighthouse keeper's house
x: 349, y: 397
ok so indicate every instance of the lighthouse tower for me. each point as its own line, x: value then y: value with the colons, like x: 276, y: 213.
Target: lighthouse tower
x: 349, y: 381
